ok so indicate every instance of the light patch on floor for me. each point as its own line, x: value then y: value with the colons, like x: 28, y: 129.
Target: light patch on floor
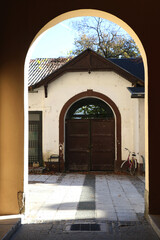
x: 56, y: 197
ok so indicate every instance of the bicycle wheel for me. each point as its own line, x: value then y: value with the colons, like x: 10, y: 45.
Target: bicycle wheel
x: 125, y: 166
x: 132, y: 168
x: 124, y: 162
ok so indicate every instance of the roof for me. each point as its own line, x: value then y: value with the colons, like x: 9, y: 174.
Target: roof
x: 132, y: 65
x: 85, y: 61
x: 40, y: 68
x: 136, y: 92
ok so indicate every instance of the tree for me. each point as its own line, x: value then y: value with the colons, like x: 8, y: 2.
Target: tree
x: 108, y: 40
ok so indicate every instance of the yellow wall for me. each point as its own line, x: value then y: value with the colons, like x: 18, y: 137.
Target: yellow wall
x: 11, y: 138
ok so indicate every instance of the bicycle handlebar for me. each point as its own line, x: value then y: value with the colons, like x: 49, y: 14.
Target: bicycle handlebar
x: 133, y: 153
x: 128, y: 150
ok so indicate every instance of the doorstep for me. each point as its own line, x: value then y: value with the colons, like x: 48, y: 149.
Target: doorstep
x: 155, y: 223
x: 8, y: 227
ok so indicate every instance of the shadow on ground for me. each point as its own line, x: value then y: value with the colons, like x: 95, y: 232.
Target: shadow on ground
x: 108, y: 230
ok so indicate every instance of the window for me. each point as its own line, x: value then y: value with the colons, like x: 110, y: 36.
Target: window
x: 35, y: 137
x: 90, y: 108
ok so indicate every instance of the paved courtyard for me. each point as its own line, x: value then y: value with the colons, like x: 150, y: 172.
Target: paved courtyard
x: 85, y: 206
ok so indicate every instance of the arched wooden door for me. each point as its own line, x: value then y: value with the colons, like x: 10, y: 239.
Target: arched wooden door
x: 90, y: 136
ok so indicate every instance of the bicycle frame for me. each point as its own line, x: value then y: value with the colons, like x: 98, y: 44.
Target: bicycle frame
x: 132, y: 162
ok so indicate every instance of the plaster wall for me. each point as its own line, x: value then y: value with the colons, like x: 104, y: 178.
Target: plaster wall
x: 70, y: 84
x: 142, y: 127
x: 11, y: 140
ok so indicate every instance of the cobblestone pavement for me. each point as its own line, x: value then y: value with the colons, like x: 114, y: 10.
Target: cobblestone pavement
x: 72, y: 206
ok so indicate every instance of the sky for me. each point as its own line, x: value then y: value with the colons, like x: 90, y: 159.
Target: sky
x: 57, y: 41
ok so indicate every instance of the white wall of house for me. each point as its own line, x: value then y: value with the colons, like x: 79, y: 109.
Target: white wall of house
x: 72, y: 83
x: 141, y: 128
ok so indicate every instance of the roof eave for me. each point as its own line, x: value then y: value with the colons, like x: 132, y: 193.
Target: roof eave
x: 142, y: 95
x: 74, y: 65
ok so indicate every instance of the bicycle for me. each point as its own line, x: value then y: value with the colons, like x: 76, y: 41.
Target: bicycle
x: 143, y: 160
x: 131, y: 162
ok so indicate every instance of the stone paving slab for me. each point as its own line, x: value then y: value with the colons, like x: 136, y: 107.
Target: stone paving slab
x: 57, y: 197
x: 54, y: 204
x: 155, y: 222
x: 57, y: 202
x: 118, y: 198
x: 59, y: 230
x: 8, y: 227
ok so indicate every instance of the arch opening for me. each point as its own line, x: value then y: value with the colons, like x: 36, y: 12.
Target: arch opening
x: 113, y: 119
x: 90, y: 108
x: 89, y: 136
x: 118, y: 21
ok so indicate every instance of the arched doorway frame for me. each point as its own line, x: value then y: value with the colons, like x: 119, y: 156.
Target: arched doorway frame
x: 64, y: 110
x: 130, y: 31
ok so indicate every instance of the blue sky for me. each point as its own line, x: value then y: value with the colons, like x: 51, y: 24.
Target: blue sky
x: 57, y: 41
x: 58, y: 36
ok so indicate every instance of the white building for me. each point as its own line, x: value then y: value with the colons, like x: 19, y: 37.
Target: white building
x: 92, y: 137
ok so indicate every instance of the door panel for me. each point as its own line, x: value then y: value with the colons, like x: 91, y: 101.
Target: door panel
x: 78, y: 141
x: 90, y: 144
x: 102, y: 144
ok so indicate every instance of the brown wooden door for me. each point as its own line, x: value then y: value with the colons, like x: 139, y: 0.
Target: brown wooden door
x: 90, y: 145
x: 77, y: 145
x: 102, y: 144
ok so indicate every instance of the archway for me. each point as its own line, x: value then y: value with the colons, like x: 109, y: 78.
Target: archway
x: 90, y: 12
x: 129, y: 30
x: 85, y: 95
x: 9, y: 75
